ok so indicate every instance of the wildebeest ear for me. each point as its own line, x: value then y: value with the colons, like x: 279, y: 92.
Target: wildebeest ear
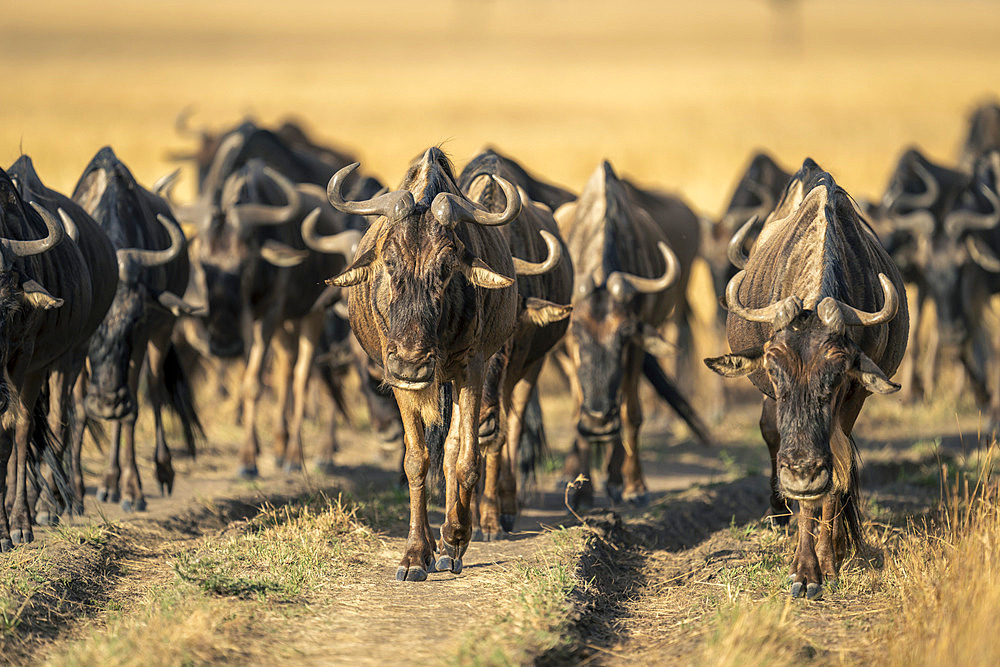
x: 481, y: 275
x: 179, y: 306
x: 541, y: 312
x: 737, y: 364
x: 654, y: 343
x: 38, y: 297
x: 359, y: 271
x: 872, y: 377
x: 281, y: 255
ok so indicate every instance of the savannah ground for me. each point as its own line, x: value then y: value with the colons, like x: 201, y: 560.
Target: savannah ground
x: 677, y: 95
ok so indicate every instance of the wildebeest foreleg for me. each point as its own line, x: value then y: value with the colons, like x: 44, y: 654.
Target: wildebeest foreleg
x: 908, y: 374
x: 156, y: 355
x: 109, y: 491
x: 635, y: 491
x: 309, y: 333
x: 284, y: 361
x: 76, y: 442
x: 20, y: 516
x: 519, y: 397
x: 806, y: 575
x: 418, y: 558
x: 831, y: 547
x: 457, y: 529
x: 779, y: 512
x: 491, y: 442
x: 263, y: 330
x: 6, y: 446
x: 132, y: 498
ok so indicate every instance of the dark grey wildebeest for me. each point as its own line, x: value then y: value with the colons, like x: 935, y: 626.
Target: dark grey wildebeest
x: 152, y: 272
x: 431, y: 298
x: 66, y: 413
x: 817, y: 323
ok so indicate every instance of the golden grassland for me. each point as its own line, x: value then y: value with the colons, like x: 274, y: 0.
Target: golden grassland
x: 675, y: 93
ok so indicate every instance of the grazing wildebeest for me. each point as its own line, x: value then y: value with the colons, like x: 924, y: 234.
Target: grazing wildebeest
x: 36, y: 330
x: 67, y: 416
x: 152, y: 273
x: 816, y: 323
x: 919, y: 195
x: 983, y: 136
x: 624, y: 290
x: 254, y: 267
x: 544, y: 283
x: 431, y: 298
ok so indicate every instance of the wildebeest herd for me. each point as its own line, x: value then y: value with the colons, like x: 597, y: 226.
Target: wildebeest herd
x: 457, y: 286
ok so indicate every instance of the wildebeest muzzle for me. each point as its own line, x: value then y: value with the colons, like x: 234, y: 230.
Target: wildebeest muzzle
x: 803, y: 477
x: 599, y: 426
x: 409, y: 370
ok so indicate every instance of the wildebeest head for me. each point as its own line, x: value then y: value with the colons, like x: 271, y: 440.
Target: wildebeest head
x: 810, y: 361
x: 420, y: 271
x: 258, y: 207
x: 20, y: 295
x: 126, y: 211
x: 606, y: 328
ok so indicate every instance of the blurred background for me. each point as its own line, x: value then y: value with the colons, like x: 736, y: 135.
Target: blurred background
x: 676, y: 93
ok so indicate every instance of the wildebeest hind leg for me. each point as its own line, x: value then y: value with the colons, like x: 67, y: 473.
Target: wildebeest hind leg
x: 6, y: 447
x: 132, y: 498
x: 309, y: 333
x: 20, y: 515
x: 109, y: 491
x: 457, y: 529
x: 284, y: 362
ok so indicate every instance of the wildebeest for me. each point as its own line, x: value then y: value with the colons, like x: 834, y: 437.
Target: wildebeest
x: 544, y: 285
x: 152, y: 273
x: 66, y: 415
x: 431, y: 298
x: 919, y: 195
x: 254, y: 267
x: 45, y: 303
x: 816, y: 322
x: 624, y: 289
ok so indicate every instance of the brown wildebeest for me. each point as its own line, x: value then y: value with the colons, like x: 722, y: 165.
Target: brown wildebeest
x: 432, y: 297
x: 512, y: 373
x: 817, y: 324
x: 615, y: 244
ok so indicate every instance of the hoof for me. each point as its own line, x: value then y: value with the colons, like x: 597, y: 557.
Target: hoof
x: 249, y: 472
x: 6, y: 544
x: 326, y: 467
x: 814, y: 592
x: 22, y: 536
x: 797, y: 589
x: 77, y: 508
x: 478, y: 536
x: 115, y: 496
x: 614, y: 492
x: 404, y: 573
x: 104, y: 495
x: 507, y: 522
x: 279, y: 462
x: 495, y: 535
x: 166, y: 489
x: 637, y: 499
x: 291, y: 468
x: 449, y: 564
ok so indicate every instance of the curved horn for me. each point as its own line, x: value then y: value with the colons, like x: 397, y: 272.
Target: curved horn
x: 651, y: 285
x: 35, y: 247
x: 164, y: 184
x: 71, y: 229
x: 451, y: 209
x: 957, y: 222
x: 182, y: 126
x: 925, y: 199
x: 919, y: 222
x: 393, y: 205
x: 523, y: 267
x: 982, y: 254
x: 148, y: 258
x: 837, y: 314
x: 778, y: 314
x: 763, y: 194
x: 258, y: 215
x: 345, y: 243
x: 734, y: 250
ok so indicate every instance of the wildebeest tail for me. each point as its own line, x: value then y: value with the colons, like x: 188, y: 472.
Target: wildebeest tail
x: 534, y: 446
x: 666, y: 388
x: 180, y: 399
x: 434, y: 437
x: 44, y: 446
